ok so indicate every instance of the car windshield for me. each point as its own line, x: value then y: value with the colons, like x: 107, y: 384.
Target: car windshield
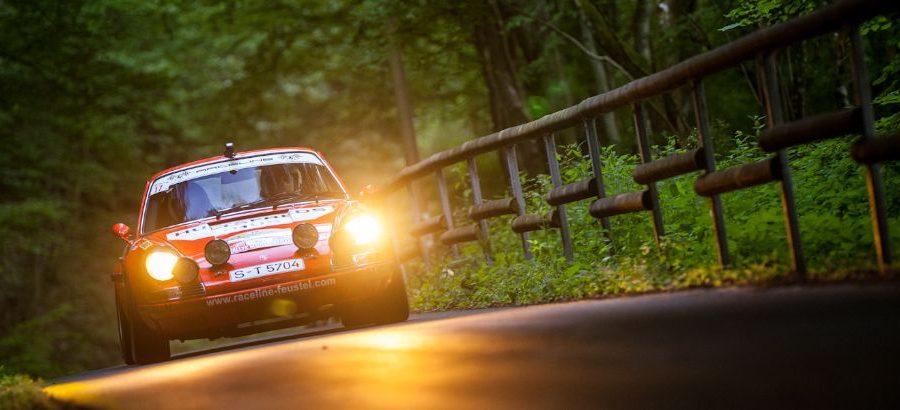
x: 209, y: 193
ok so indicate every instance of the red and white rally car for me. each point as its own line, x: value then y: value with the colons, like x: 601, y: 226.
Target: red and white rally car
x: 248, y: 242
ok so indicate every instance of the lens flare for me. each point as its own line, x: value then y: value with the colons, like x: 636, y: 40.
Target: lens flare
x: 364, y: 229
x: 160, y: 265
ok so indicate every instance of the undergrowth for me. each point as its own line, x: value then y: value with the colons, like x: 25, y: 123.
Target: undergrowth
x: 20, y: 392
x: 831, y: 199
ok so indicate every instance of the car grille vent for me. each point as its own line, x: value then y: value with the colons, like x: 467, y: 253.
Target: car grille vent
x: 178, y: 292
x: 192, y: 289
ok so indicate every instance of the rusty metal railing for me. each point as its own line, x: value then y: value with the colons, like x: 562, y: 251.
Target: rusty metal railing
x: 761, y: 47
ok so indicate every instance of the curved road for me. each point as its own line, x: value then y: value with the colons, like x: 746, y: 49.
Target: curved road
x: 812, y: 347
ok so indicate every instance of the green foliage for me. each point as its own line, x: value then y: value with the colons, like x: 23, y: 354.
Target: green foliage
x: 753, y: 12
x: 46, y: 345
x: 20, y: 392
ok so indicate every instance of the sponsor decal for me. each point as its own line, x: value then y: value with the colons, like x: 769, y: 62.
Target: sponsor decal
x: 306, y: 214
x: 255, y: 294
x: 191, y: 234
x: 324, y: 231
x: 208, y: 231
x: 165, y: 182
x: 263, y: 238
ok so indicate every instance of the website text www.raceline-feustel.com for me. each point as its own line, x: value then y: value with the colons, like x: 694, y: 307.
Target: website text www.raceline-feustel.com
x: 263, y: 293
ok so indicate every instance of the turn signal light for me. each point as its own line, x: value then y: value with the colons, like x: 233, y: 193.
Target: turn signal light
x: 186, y: 270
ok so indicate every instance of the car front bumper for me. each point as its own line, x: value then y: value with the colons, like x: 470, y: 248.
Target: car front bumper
x: 272, y: 306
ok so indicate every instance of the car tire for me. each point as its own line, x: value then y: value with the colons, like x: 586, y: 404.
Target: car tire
x: 388, y: 306
x: 124, y: 333
x: 140, y: 344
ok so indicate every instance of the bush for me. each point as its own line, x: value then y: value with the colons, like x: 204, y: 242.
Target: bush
x: 19, y: 392
x: 49, y: 345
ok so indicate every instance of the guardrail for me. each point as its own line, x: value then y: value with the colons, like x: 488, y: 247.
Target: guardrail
x: 778, y: 136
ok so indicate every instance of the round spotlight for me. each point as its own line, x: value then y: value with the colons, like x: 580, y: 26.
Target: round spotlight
x: 186, y: 270
x: 305, y: 236
x: 217, y: 251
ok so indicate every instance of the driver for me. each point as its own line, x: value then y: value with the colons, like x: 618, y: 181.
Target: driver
x: 276, y: 179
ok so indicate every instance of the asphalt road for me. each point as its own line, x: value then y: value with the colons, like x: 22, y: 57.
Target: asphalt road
x: 810, y: 347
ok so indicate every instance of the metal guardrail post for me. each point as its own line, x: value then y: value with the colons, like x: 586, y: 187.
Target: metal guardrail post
x: 512, y: 165
x: 874, y: 184
x: 788, y: 204
x: 416, y: 218
x: 482, y: 224
x: 698, y: 99
x: 395, y: 245
x: 590, y: 131
x: 445, y: 206
x: 640, y: 128
x: 556, y: 178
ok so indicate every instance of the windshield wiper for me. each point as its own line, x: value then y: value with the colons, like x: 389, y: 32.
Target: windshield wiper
x: 277, y: 198
x: 280, y: 199
x: 311, y: 195
x: 304, y: 196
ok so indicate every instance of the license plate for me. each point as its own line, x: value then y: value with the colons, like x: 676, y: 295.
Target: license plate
x: 266, y: 269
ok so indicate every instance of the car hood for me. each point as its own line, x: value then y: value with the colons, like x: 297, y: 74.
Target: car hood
x: 251, y: 230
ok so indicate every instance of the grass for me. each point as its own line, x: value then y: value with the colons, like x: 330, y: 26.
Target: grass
x: 467, y: 287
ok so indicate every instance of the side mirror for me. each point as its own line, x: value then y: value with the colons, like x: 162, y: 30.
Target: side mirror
x: 122, y: 231
x: 366, y: 191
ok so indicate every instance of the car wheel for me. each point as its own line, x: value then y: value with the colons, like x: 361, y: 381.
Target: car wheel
x: 124, y: 334
x: 388, y: 306
x: 144, y: 346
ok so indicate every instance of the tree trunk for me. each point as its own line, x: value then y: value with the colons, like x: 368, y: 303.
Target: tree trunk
x: 405, y: 115
x: 678, y: 101
x: 640, y: 29
x: 600, y: 77
x: 507, y: 98
x: 630, y: 61
x: 499, y: 71
x: 401, y: 94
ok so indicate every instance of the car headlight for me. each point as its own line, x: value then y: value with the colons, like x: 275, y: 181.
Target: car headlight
x: 364, y: 229
x: 160, y: 264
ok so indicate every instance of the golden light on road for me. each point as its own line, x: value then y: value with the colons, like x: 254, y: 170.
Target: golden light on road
x: 371, y: 366
x: 389, y: 340
x: 100, y: 390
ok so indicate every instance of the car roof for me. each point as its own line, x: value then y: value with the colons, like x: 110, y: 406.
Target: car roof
x: 241, y: 154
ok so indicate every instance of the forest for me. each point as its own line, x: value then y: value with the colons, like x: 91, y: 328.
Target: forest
x: 98, y: 95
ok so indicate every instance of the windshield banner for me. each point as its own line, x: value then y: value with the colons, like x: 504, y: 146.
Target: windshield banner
x: 165, y: 182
